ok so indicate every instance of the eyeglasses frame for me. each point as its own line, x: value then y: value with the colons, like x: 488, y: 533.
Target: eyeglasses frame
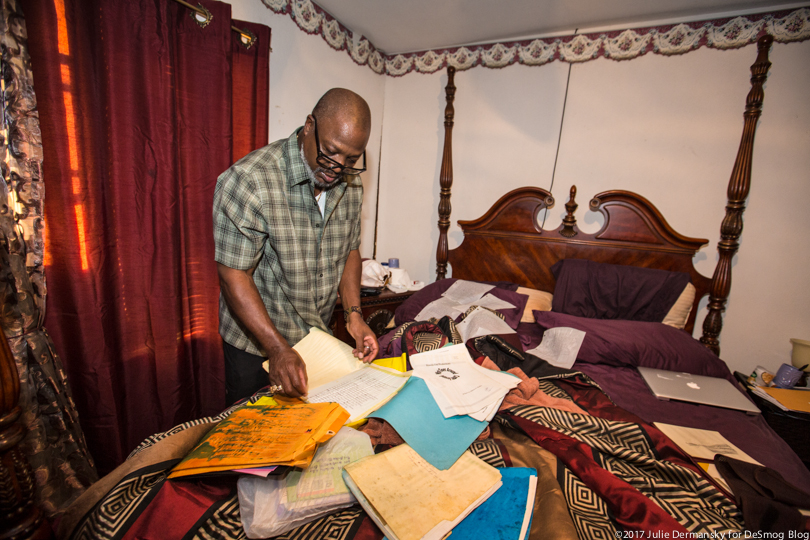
x: 330, y: 163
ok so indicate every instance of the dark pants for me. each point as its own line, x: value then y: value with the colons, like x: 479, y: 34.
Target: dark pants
x: 244, y: 374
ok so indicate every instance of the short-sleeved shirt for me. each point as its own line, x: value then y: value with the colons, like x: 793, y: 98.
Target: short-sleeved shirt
x: 266, y: 216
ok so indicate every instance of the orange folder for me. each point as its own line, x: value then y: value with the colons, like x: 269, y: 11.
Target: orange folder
x: 264, y: 435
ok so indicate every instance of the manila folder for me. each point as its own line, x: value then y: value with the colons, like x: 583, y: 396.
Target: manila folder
x: 415, y: 500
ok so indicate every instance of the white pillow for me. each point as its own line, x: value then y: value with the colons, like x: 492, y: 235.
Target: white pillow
x: 538, y: 301
x: 680, y: 310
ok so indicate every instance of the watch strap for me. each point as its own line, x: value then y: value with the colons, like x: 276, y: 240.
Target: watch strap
x: 351, y: 309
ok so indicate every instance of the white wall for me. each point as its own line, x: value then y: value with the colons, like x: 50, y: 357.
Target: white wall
x: 665, y: 127
x: 302, y: 68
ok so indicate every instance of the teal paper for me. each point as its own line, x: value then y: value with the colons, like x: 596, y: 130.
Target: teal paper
x: 419, y: 421
x: 501, y: 516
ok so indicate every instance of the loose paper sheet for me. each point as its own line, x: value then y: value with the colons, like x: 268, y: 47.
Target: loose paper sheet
x: 482, y: 322
x: 560, y: 346
x: 439, y: 308
x: 702, y: 443
x: 323, y: 477
x: 417, y: 418
x: 462, y: 386
x: 467, y: 292
x: 326, y: 357
x: 361, y: 391
x: 488, y: 301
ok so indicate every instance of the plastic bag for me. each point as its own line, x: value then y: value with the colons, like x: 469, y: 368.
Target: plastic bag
x: 373, y: 274
x: 274, y: 505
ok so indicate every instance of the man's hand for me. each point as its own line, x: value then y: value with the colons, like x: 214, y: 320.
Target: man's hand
x: 367, y: 346
x: 288, y: 370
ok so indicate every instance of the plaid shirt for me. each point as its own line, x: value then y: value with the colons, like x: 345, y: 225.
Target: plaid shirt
x: 266, y: 216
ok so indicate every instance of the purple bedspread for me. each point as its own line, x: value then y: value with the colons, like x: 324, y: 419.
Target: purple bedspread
x: 750, y: 433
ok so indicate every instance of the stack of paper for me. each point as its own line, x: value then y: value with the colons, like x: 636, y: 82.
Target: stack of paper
x: 262, y: 436
x: 785, y: 399
x: 460, y: 386
x: 409, y: 499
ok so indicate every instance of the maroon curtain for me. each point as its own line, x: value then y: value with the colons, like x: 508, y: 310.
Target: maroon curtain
x: 136, y: 104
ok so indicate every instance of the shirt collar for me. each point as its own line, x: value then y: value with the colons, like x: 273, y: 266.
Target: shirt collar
x: 296, y: 173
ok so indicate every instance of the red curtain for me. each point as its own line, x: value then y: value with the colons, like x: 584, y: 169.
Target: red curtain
x: 141, y: 109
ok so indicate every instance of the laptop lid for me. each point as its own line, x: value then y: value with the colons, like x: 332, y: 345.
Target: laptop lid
x: 701, y: 389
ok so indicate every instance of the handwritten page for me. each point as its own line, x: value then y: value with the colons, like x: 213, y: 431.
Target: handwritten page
x: 326, y: 357
x: 396, y: 485
x: 702, y: 443
x: 481, y: 322
x: 361, y: 392
x: 560, y: 346
x: 467, y: 292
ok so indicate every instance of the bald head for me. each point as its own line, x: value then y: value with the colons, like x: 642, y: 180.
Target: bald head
x: 335, y: 135
x: 343, y: 105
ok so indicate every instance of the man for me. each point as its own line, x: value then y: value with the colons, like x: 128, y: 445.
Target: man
x: 287, y: 234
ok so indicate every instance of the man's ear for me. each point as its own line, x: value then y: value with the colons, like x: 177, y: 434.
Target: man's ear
x: 309, y: 125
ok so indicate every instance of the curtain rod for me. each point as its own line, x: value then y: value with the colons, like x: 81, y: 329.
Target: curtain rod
x: 248, y: 37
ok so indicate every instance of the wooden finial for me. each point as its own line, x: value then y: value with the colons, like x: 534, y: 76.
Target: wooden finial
x: 568, y: 228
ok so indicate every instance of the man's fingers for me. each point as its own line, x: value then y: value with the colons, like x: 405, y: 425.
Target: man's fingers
x: 298, y: 380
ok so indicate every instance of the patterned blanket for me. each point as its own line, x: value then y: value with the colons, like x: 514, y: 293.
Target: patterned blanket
x: 599, y: 473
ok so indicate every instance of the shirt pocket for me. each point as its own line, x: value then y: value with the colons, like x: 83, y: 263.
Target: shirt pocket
x: 336, y: 241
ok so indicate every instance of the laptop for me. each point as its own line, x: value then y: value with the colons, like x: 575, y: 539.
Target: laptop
x: 701, y: 389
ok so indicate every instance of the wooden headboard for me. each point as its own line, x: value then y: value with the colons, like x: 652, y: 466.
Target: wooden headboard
x: 508, y: 244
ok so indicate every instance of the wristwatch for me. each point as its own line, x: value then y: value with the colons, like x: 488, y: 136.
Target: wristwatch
x: 350, y: 310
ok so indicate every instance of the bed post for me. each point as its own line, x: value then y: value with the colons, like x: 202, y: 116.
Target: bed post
x: 738, y: 187
x: 446, y: 176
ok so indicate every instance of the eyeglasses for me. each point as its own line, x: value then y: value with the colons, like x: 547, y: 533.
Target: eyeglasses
x: 331, y: 164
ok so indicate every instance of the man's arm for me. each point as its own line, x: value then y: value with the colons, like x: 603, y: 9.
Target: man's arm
x: 349, y: 287
x: 286, y: 366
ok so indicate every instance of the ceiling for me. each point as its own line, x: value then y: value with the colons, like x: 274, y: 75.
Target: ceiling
x: 400, y: 26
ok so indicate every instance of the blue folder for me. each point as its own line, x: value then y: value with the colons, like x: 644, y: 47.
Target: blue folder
x: 502, y: 515
x: 419, y: 421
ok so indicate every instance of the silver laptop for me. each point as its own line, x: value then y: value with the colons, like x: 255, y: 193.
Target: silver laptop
x: 701, y: 389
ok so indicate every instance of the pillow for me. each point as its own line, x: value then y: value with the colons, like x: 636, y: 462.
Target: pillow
x: 410, y: 308
x: 637, y: 343
x: 612, y: 291
x: 538, y: 301
x: 680, y: 311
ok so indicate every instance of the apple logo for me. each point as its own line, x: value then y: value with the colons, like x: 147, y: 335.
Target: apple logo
x: 693, y: 385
